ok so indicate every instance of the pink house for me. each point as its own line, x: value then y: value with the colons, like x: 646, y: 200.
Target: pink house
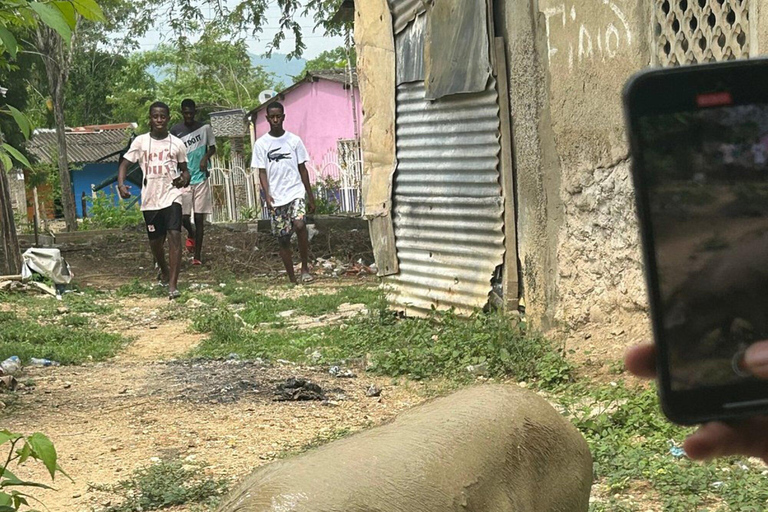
x: 324, y: 110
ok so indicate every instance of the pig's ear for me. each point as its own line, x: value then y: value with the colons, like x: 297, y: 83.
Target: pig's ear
x: 675, y: 317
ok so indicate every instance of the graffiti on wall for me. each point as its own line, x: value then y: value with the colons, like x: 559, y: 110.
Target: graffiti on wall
x: 568, y: 37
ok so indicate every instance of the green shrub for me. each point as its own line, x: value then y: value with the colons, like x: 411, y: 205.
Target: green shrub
x: 167, y: 483
x: 103, y: 213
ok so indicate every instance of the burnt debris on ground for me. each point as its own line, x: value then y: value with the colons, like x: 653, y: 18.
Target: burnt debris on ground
x: 297, y: 389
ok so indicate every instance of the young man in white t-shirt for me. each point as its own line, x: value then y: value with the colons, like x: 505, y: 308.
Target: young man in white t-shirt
x: 280, y: 157
x: 163, y: 160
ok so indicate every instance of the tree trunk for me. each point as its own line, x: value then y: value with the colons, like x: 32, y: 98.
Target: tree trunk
x: 67, y: 193
x: 56, y: 57
x: 11, y: 257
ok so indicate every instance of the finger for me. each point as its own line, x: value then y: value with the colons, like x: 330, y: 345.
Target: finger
x: 641, y: 360
x: 756, y: 359
x: 718, y: 439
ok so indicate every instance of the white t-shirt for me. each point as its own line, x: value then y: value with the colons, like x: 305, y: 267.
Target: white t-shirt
x: 159, y: 161
x: 281, y: 157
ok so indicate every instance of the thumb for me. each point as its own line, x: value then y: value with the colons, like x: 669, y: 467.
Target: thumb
x: 756, y: 359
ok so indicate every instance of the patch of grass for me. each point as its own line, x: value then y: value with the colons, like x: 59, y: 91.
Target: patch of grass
x: 67, y: 344
x: 141, y: 287
x: 443, y: 345
x: 261, y: 308
x: 631, y: 443
x: 321, y: 304
x: 44, y: 307
x: 166, y: 484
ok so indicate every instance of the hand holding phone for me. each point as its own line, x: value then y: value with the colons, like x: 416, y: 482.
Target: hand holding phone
x: 699, y: 144
x: 716, y: 439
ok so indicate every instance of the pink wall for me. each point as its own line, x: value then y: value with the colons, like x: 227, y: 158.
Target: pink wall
x: 320, y: 113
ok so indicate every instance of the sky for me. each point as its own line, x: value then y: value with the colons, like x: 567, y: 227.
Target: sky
x: 315, y: 41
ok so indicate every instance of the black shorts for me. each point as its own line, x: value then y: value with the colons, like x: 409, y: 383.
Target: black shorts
x: 159, y: 222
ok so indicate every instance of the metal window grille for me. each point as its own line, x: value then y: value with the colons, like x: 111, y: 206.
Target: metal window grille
x: 696, y: 31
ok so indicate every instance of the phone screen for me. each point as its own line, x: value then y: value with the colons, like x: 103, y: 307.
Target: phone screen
x: 706, y: 185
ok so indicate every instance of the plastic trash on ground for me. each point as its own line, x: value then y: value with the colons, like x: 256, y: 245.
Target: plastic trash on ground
x: 11, y: 365
x: 42, y: 362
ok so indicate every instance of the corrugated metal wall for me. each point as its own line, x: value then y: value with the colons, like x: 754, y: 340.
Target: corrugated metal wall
x: 447, y: 200
x: 403, y: 12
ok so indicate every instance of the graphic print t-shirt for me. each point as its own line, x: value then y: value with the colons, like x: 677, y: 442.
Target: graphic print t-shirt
x: 281, y: 157
x: 159, y: 160
x: 197, y: 139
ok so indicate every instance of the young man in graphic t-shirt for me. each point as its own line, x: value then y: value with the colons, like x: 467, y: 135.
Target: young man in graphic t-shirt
x: 201, y: 145
x: 163, y: 160
x: 280, y: 157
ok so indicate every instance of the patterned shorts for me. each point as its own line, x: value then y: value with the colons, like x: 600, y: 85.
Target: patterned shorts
x: 282, y: 217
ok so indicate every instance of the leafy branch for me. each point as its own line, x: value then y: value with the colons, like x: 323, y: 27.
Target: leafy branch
x: 20, y: 449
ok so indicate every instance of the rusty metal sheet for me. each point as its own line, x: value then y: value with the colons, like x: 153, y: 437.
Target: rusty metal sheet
x: 404, y: 12
x: 457, y: 48
x: 448, y: 206
x: 409, y: 47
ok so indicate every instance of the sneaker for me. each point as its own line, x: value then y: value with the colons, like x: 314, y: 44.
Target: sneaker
x: 175, y: 294
x: 196, y: 262
x: 190, y: 245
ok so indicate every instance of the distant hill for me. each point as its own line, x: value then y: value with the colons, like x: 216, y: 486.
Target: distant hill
x: 279, y: 64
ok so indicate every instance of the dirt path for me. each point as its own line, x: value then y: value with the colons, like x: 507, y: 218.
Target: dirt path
x: 156, y: 338
x: 107, y: 419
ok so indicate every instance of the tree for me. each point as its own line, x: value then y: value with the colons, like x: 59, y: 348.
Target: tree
x: 54, y: 42
x: 187, y: 17
x: 92, y: 79
x: 217, y: 74
x: 338, y: 58
x: 15, y: 16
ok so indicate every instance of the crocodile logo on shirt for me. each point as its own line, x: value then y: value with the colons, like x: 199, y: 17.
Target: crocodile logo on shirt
x: 274, y: 155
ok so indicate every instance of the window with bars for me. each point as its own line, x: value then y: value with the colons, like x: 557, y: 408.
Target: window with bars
x: 695, y: 31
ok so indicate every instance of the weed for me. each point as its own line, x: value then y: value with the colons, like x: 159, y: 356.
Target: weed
x: 165, y: 484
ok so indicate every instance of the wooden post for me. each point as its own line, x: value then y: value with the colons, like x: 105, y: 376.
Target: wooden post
x: 11, y: 262
x: 84, y: 204
x: 510, y: 285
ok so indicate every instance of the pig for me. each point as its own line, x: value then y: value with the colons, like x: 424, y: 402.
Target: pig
x: 493, y: 448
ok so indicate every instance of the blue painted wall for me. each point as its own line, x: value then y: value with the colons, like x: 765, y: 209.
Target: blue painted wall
x: 92, y: 174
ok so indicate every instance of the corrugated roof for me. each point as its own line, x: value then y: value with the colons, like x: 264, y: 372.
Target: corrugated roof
x: 334, y: 75
x: 85, y: 144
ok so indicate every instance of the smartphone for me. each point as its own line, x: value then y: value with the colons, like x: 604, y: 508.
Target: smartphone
x: 699, y: 146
